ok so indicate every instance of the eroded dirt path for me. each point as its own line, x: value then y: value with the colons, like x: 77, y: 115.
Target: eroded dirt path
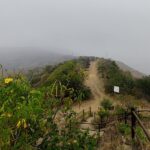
x: 96, y: 85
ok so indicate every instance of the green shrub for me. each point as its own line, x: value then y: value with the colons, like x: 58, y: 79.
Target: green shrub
x: 103, y: 113
x: 114, y: 76
x: 142, y: 87
x: 71, y: 75
x: 106, y: 104
x: 28, y: 120
x: 140, y: 134
x: 124, y: 129
x: 119, y: 110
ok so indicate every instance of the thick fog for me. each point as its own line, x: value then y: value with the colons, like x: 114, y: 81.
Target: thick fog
x: 118, y: 29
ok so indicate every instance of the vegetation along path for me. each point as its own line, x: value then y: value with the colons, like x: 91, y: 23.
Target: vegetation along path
x: 95, y: 83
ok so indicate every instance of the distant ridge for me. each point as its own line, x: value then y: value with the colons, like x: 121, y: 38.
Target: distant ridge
x: 135, y: 73
x: 27, y: 57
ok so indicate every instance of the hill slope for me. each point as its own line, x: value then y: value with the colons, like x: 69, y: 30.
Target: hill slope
x: 135, y: 73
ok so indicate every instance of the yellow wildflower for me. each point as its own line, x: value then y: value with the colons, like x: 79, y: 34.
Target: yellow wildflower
x: 24, y: 123
x: 8, y: 80
x: 19, y: 124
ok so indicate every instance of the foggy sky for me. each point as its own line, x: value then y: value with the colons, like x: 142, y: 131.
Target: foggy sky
x: 118, y: 29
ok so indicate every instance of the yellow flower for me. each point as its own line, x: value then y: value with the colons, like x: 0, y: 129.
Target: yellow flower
x: 8, y: 80
x: 24, y: 123
x: 19, y: 124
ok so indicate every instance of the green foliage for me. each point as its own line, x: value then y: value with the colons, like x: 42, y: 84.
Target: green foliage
x: 28, y: 120
x: 104, y: 114
x: 115, y: 77
x: 142, y: 87
x: 140, y: 134
x: 124, y: 129
x: 72, y: 76
x: 106, y: 104
x: 119, y: 110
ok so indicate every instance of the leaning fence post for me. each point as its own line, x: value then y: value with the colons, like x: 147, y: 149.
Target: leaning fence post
x: 133, y: 123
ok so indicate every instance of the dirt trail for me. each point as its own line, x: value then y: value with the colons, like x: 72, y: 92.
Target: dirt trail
x: 96, y: 85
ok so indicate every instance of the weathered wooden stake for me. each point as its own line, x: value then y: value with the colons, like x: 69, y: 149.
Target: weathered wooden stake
x: 133, y: 123
x: 99, y: 127
x: 70, y: 124
x: 83, y: 115
x: 90, y: 111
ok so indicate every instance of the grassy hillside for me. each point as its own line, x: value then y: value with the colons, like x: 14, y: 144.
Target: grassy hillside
x: 36, y: 112
x: 29, y: 115
x: 113, y: 75
x: 70, y: 74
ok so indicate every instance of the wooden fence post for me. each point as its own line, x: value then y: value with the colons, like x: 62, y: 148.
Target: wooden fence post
x: 90, y: 111
x: 133, y: 123
x: 99, y: 127
x: 94, y: 116
x: 83, y: 119
x: 70, y: 124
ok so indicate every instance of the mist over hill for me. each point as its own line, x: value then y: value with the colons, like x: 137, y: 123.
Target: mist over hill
x: 135, y: 73
x: 26, y: 57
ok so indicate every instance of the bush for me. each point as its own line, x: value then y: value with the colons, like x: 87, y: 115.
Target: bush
x: 27, y: 120
x: 142, y: 87
x: 124, y: 129
x: 119, y: 110
x: 106, y: 104
x: 114, y: 76
x: 141, y: 134
x: 103, y: 113
x: 71, y: 75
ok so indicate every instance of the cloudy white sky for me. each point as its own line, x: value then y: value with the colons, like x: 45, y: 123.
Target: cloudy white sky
x: 119, y: 29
